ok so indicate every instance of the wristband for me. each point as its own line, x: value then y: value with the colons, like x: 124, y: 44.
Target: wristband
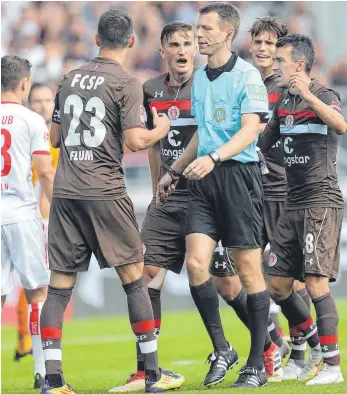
x: 215, y: 157
x: 173, y: 173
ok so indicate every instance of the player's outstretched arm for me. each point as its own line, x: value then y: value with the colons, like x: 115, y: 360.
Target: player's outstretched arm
x: 168, y: 182
x: 139, y: 138
x: 189, y: 154
x: 45, y: 171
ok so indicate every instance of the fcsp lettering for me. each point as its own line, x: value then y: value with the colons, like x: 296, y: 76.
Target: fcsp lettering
x: 87, y: 82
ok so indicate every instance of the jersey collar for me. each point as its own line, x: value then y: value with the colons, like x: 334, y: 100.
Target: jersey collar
x: 99, y: 59
x: 227, y: 67
x: 167, y: 80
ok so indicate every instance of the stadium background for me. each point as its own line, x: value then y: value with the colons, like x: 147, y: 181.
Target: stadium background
x: 59, y: 36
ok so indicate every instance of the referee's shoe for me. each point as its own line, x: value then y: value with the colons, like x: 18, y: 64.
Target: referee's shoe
x: 221, y: 361
x: 250, y: 377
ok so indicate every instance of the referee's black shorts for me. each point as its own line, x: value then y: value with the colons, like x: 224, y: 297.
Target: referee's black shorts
x: 227, y: 205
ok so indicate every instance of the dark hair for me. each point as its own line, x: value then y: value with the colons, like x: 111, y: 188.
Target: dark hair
x: 171, y: 28
x: 39, y: 85
x: 302, y: 48
x: 269, y: 24
x: 227, y: 12
x: 13, y: 70
x: 115, y: 29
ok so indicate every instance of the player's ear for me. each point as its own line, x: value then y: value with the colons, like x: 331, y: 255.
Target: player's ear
x: 301, y: 66
x: 230, y: 33
x: 132, y: 41
x: 162, y: 53
x: 97, y: 40
x: 23, y: 84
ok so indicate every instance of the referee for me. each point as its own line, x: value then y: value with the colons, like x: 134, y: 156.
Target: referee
x: 229, y: 100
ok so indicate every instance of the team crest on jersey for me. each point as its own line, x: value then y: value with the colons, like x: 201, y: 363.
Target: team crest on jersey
x: 143, y: 114
x: 289, y: 121
x: 173, y: 113
x: 272, y: 259
x: 219, y: 115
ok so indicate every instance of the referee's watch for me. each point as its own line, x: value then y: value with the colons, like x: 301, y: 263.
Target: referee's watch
x: 215, y: 157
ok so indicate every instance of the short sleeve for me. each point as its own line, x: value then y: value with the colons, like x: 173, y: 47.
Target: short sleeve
x: 56, y: 111
x: 254, y: 98
x: 193, y: 101
x: 132, y: 111
x: 39, y: 143
x: 331, y: 98
x: 149, y: 117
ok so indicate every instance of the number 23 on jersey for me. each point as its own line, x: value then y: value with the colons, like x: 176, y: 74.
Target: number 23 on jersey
x: 91, y: 140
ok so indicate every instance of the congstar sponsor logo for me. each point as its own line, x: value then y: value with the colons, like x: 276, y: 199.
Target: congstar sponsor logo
x: 292, y: 159
x: 175, y: 153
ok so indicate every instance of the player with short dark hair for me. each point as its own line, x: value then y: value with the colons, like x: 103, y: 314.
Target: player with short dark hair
x: 13, y: 70
x: 97, y: 107
x: 308, y: 120
x: 162, y: 232
x: 226, y: 151
x: 23, y: 245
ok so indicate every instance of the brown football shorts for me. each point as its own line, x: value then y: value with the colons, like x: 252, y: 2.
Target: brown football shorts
x: 106, y: 228
x: 307, y: 241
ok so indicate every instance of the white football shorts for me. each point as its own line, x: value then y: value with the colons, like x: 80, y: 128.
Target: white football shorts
x: 24, y: 248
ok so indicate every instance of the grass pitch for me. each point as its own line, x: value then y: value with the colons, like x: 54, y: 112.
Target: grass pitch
x: 99, y: 353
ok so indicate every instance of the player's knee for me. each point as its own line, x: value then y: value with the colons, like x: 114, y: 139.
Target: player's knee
x: 278, y: 288
x: 297, y: 286
x: 249, y: 271
x: 37, y: 295
x: 155, y: 276
x: 61, y: 296
x: 149, y: 273
x: 317, y: 286
x: 195, y: 267
x: 130, y: 272
x: 63, y: 280
x: 228, y: 287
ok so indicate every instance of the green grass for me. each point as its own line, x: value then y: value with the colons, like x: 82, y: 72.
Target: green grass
x: 100, y: 353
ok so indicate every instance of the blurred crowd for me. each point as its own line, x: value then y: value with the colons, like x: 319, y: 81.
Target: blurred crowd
x: 59, y: 36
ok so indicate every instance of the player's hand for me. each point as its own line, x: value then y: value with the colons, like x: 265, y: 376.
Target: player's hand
x: 160, y: 120
x: 165, y: 187
x: 301, y: 85
x: 199, y: 168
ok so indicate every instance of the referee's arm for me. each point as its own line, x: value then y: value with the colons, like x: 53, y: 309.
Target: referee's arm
x: 243, y: 138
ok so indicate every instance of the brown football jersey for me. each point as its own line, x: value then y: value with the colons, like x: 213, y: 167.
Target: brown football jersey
x: 176, y: 103
x: 275, y: 182
x: 94, y: 105
x: 309, y: 148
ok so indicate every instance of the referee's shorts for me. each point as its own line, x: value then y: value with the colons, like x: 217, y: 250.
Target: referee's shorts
x: 227, y: 205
